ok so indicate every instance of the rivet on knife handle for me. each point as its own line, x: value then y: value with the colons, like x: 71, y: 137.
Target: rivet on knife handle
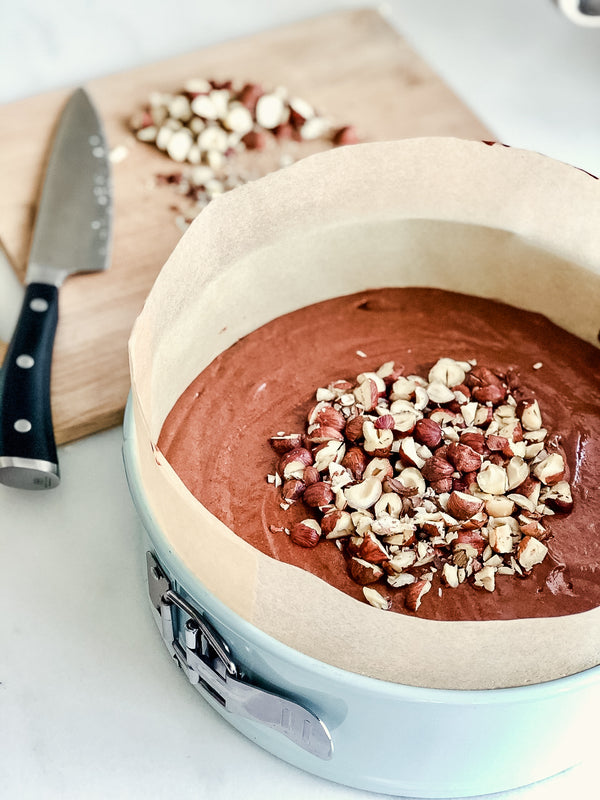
x: 28, y: 457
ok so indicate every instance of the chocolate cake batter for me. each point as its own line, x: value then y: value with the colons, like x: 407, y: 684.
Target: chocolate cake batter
x: 217, y: 435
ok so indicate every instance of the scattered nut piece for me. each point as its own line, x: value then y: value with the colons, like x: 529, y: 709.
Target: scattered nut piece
x: 492, y: 478
x: 377, y: 600
x: 517, y: 471
x: 500, y: 538
x: 531, y: 552
x: 118, y: 154
x: 270, y: 111
x: 448, y: 372
x: 346, y: 135
x: 306, y: 533
x: 450, y: 574
x: 499, y: 506
x: 415, y: 593
x: 531, y: 417
x: 364, y: 572
x: 486, y: 578
x: 363, y: 495
x: 463, y: 505
x: 551, y: 469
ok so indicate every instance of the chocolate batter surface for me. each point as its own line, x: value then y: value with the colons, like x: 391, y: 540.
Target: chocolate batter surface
x: 216, y: 436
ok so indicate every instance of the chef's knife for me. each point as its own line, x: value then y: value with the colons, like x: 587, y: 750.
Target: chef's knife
x: 72, y: 234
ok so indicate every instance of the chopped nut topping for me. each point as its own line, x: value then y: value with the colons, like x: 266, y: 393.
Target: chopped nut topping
x: 448, y: 478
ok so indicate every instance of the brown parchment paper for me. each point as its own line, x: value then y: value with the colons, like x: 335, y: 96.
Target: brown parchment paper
x: 486, y: 220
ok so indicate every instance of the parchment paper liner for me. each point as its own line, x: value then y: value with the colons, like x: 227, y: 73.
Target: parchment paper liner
x: 485, y: 220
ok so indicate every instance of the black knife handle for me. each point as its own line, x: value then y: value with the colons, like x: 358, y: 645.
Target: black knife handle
x: 28, y: 458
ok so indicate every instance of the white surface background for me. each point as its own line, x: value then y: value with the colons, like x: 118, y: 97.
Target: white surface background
x: 90, y: 705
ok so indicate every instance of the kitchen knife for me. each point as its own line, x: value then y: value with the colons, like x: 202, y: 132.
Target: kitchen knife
x: 72, y: 234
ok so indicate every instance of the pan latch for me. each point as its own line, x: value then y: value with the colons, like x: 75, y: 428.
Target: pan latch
x: 205, y: 658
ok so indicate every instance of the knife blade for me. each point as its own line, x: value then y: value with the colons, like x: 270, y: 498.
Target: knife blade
x: 11, y: 295
x: 72, y: 234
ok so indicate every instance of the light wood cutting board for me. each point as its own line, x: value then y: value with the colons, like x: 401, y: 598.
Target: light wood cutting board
x: 351, y: 66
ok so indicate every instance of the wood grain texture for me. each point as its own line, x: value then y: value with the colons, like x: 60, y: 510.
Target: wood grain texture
x: 352, y: 66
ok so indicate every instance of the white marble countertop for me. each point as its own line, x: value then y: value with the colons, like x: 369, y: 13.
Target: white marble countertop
x: 72, y: 588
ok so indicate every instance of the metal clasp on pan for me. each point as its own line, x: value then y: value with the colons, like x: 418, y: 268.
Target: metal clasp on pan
x: 206, y: 660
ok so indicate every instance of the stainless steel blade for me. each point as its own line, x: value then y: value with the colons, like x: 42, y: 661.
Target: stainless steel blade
x: 73, y: 225
x: 11, y: 296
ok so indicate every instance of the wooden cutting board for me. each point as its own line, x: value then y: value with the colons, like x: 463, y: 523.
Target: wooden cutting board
x: 352, y: 66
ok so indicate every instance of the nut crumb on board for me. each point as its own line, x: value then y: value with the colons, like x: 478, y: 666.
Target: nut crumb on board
x: 206, y: 123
